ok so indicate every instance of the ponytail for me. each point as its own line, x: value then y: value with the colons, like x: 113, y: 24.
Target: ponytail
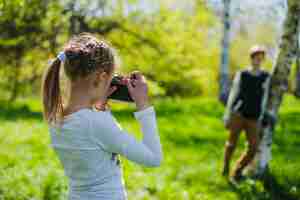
x: 52, y: 100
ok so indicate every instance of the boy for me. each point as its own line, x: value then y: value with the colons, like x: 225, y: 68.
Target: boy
x: 245, y: 109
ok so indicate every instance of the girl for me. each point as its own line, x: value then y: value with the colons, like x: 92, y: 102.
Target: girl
x: 86, y: 139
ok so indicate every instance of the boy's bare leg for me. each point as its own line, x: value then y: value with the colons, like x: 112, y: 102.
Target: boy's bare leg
x: 235, y: 128
x: 252, y: 132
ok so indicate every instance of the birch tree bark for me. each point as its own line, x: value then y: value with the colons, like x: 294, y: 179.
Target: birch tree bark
x: 279, y: 81
x: 224, y: 66
x: 297, y: 78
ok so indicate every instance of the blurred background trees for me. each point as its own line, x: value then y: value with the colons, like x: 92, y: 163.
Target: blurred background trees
x: 175, y: 43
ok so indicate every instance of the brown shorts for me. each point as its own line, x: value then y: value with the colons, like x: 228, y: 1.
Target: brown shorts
x: 237, y: 124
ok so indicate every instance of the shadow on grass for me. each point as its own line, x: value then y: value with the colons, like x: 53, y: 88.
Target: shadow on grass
x: 273, y: 190
x: 276, y: 190
x: 11, y: 113
x: 195, y: 140
x: 172, y: 109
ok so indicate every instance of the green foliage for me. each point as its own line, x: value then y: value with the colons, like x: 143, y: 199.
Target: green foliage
x: 192, y: 136
x: 28, y: 31
x: 178, y: 58
x: 174, y: 50
x: 177, y: 48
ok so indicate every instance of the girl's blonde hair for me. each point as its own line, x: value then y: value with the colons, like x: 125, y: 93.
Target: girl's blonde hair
x: 84, y: 54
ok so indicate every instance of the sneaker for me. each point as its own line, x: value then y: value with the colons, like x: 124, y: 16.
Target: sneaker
x: 233, y: 181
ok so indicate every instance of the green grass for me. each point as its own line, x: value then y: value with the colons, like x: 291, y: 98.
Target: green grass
x: 192, y: 137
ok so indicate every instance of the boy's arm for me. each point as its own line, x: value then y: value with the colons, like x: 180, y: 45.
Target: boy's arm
x: 265, y: 97
x: 234, y: 91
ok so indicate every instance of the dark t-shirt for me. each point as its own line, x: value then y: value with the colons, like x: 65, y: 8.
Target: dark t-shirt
x: 251, y: 93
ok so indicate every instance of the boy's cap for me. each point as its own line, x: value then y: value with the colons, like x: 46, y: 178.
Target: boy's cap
x: 257, y: 49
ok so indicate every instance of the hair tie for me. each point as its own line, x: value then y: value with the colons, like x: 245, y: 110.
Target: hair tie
x: 61, y: 56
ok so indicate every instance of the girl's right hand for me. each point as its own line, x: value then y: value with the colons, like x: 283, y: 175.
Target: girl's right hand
x: 138, y: 90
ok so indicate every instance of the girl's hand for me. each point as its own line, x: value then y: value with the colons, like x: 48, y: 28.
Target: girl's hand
x: 138, y: 90
x: 110, y: 91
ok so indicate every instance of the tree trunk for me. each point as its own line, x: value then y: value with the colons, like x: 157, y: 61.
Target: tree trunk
x: 297, y: 88
x: 224, y: 66
x: 102, y: 5
x: 279, y: 81
x: 297, y: 78
x: 15, y: 76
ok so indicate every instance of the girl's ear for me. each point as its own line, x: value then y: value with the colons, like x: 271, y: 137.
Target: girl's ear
x: 104, y: 76
x: 100, y: 77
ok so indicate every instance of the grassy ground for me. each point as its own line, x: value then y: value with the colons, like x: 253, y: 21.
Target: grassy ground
x: 192, y: 136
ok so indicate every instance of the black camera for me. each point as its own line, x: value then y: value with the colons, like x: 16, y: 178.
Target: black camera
x: 122, y: 92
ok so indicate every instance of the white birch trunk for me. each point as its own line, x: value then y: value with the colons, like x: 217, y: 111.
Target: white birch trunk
x: 297, y: 78
x: 279, y: 81
x: 224, y: 66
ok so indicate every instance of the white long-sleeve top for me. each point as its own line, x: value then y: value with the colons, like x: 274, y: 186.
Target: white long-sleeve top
x: 87, y: 144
